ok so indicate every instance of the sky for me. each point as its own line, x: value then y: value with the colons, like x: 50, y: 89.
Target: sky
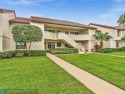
x: 104, y: 12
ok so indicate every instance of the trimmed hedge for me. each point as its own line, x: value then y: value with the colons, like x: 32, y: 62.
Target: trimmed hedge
x: 63, y: 50
x: 38, y: 53
x: 7, y: 54
x: 110, y: 50
x: 106, y: 50
x: 21, y: 53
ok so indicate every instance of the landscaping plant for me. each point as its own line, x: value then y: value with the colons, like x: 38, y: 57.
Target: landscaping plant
x: 26, y: 34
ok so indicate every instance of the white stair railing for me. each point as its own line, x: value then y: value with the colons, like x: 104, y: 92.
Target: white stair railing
x: 81, y: 47
x: 69, y: 40
x: 66, y: 38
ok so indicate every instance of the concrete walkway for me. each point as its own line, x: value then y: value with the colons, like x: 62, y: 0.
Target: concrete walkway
x: 92, y: 82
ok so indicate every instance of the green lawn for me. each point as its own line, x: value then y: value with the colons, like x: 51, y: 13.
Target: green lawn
x: 38, y: 73
x: 109, y: 68
x: 118, y: 53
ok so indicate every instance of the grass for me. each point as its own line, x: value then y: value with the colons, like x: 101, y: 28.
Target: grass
x: 118, y: 53
x: 38, y: 73
x: 109, y: 68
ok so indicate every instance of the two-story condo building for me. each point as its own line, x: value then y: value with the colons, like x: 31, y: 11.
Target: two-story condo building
x: 117, y: 32
x: 56, y: 33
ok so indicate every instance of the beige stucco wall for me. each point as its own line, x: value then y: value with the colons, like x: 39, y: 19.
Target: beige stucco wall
x: 1, y: 29
x: 112, y: 32
x: 35, y: 45
x: 12, y: 43
x: 38, y: 45
x: 91, y: 41
x: 4, y: 30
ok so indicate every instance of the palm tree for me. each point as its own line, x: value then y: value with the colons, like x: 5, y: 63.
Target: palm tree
x: 121, y: 19
x: 102, y: 37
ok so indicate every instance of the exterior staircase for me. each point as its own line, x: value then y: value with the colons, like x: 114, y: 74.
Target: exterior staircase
x: 71, y: 42
x: 81, y: 48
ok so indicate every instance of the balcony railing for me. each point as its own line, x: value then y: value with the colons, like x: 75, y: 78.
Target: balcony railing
x: 54, y: 36
x: 80, y: 37
x: 50, y: 35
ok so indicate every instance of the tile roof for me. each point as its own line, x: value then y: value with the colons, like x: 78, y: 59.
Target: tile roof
x: 120, y: 27
x: 106, y: 26
x: 21, y: 20
x: 58, y: 22
x: 6, y: 10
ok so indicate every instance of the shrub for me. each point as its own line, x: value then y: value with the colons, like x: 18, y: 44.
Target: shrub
x: 116, y: 49
x: 16, y: 52
x: 38, y: 53
x: 106, y: 50
x: 19, y: 54
x: 32, y: 52
x: 7, y: 54
x: 123, y: 49
x: 63, y: 50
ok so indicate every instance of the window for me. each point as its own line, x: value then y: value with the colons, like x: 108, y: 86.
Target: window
x: 118, y: 33
x: 72, y: 33
x: 58, y: 31
x: 97, y: 32
x: 117, y: 44
x: 51, y: 45
x: 58, y: 44
x: 53, y: 31
x: 76, y: 33
x: 66, y: 32
x: 20, y: 46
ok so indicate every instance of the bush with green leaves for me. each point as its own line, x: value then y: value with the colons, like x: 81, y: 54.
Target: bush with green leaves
x: 63, y: 51
x: 7, y: 54
x: 123, y: 49
x: 38, y: 53
x: 21, y: 53
x: 106, y: 50
x: 110, y: 50
x: 26, y: 34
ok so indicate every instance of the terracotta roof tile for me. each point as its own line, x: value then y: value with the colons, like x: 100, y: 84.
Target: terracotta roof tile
x: 59, y: 22
x: 6, y: 10
x: 21, y: 20
x: 106, y: 26
x: 120, y: 27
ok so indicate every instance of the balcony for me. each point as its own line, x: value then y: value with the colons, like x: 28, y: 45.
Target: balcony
x: 55, y: 36
x: 50, y: 35
x: 80, y: 37
x: 117, y: 38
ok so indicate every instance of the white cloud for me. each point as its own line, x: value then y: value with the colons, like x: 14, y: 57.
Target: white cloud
x: 111, y: 16
x: 118, y: 9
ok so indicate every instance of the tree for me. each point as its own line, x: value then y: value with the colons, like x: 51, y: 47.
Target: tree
x: 26, y: 34
x: 121, y: 19
x: 123, y: 39
x: 102, y: 37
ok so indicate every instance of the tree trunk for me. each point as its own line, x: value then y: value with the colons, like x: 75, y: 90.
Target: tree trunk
x: 101, y: 44
x: 26, y: 48
x: 29, y: 48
